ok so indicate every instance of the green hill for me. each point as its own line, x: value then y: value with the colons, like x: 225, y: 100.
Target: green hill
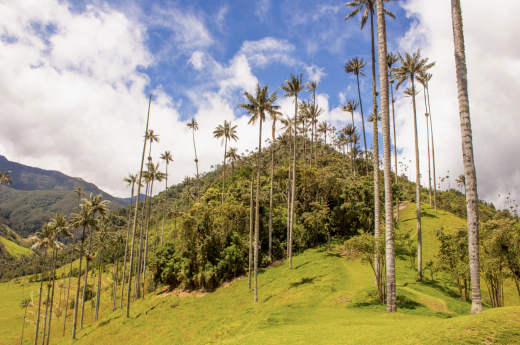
x: 324, y: 299
x: 14, y: 249
x: 37, y: 194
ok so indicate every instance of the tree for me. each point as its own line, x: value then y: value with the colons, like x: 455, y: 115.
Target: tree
x: 311, y: 87
x: 257, y: 107
x: 233, y: 156
x: 461, y: 182
x: 391, y: 60
x: 104, y: 237
x: 194, y: 126
x: 356, y: 66
x: 24, y: 304
x: 411, y: 68
x: 467, y: 153
x: 387, y: 164
x: 5, y: 178
x: 292, y: 87
x: 288, y: 128
x: 167, y: 158
x: 118, y: 240
x: 351, y: 108
x: 227, y: 132
x: 275, y: 116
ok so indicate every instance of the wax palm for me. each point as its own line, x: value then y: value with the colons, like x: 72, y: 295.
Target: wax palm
x: 257, y: 107
x: 24, y: 304
x: 167, y: 158
x: 292, y: 87
x: 392, y: 59
x: 411, y: 68
x: 314, y: 111
x: 311, y: 87
x: 194, y: 126
x: 118, y: 240
x: 103, y: 239
x: 461, y: 182
x: 275, y: 116
x: 233, y: 156
x: 226, y: 132
x: 356, y: 66
x: 5, y: 178
x: 351, y: 108
x: 288, y: 128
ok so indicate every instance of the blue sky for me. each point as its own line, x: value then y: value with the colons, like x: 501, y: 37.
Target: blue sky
x: 75, y: 78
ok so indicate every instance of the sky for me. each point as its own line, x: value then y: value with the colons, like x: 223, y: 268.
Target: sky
x: 75, y: 77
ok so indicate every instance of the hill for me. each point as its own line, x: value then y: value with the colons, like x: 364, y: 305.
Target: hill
x: 37, y: 194
x: 324, y: 299
x: 13, y: 248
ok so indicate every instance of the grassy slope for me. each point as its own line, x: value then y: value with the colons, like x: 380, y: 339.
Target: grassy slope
x: 15, y: 249
x: 324, y: 300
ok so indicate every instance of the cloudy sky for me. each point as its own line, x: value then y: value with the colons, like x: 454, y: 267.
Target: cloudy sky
x: 75, y: 77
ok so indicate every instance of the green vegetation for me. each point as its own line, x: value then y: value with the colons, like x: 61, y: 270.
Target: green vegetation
x: 14, y: 249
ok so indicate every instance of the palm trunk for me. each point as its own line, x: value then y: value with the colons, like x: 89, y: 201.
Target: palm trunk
x: 433, y: 153
x: 76, y: 301
x: 417, y: 188
x: 100, y: 272
x: 146, y: 242
x: 289, y: 197
x: 166, y: 190
x: 224, y: 175
x: 48, y: 301
x: 293, y: 198
x: 387, y: 164
x: 429, y: 174
x: 362, y: 122
x: 68, y: 286
x: 395, y: 144
x: 257, y: 215
x: 377, y: 206
x: 467, y: 151
x: 85, y: 281
x: 251, y: 220
x: 23, y: 325
x: 197, y: 164
x: 126, y: 245
x: 135, y: 219
x: 115, y: 283
x: 140, y: 256
x: 52, y: 296
x: 271, y: 197
x: 40, y: 299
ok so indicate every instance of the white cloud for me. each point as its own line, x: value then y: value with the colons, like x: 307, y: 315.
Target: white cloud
x: 493, y: 60
x: 262, y: 7
x: 260, y: 53
x: 315, y: 73
x: 196, y: 59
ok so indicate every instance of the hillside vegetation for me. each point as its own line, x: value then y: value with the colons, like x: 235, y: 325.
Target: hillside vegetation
x: 324, y: 299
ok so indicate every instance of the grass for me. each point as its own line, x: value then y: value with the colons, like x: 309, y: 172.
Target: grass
x: 324, y: 299
x: 15, y: 249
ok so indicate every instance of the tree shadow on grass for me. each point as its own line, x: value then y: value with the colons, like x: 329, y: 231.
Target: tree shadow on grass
x: 428, y: 215
x: 305, y: 263
x: 404, y: 302
x: 333, y: 254
x: 303, y: 282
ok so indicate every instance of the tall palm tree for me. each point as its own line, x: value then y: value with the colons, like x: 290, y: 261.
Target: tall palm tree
x: 461, y: 182
x: 5, y: 178
x: 391, y: 59
x: 411, y: 68
x: 251, y: 221
x: 130, y: 180
x: 257, y: 107
x: 118, y: 241
x: 226, y: 132
x: 356, y: 66
x: 24, y: 304
x: 288, y: 128
x: 467, y: 152
x: 292, y: 87
x: 351, y: 108
x: 233, y: 156
x: 194, y: 126
x: 167, y: 158
x: 425, y: 79
x: 275, y: 116
x: 135, y: 216
x: 387, y: 164
x: 311, y: 87
x: 104, y: 237
x: 80, y: 193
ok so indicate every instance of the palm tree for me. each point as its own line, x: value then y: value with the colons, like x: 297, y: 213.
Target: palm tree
x: 130, y: 180
x: 351, y: 108
x: 24, y: 304
x: 288, y: 128
x: 104, y: 237
x: 135, y: 216
x: 356, y: 66
x: 5, y: 178
x: 79, y: 192
x: 257, y: 107
x: 227, y: 132
x: 387, y: 164
x: 251, y: 221
x: 118, y: 240
x: 311, y: 87
x: 167, y: 158
x: 233, y: 156
x: 275, y: 116
x: 467, y: 152
x: 391, y: 60
x: 194, y: 126
x: 411, y: 68
x: 461, y: 182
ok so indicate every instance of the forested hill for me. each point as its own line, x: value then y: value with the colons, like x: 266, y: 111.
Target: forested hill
x: 37, y: 194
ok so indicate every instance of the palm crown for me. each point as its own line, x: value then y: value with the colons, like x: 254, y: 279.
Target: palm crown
x: 260, y: 104
x: 226, y: 132
x: 193, y: 125
x: 412, y: 67
x: 355, y: 66
x: 368, y: 7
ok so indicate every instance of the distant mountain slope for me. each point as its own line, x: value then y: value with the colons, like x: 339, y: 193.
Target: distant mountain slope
x: 14, y: 249
x: 37, y: 194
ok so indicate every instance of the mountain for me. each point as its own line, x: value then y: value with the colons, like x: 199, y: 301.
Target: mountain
x: 37, y: 194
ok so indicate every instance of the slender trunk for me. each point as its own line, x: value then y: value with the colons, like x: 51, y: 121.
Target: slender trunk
x: 135, y: 219
x: 429, y: 174
x: 52, y: 296
x: 362, y: 122
x: 257, y: 213
x: 289, y: 197
x: 293, y: 198
x: 251, y: 220
x: 141, y: 240
x: 164, y: 206
x: 433, y: 152
x: 271, y: 197
x: 224, y: 175
x: 85, y: 280
x: 377, y: 205
x: 47, y: 299
x: 197, y: 164
x: 76, y: 300
x: 395, y: 148
x: 98, y: 295
x: 417, y: 189
x: 387, y: 163
x: 23, y: 325
x: 70, y: 277
x: 115, y: 283
x: 467, y: 150
x: 126, y: 245
x: 40, y: 299
x: 146, y: 241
